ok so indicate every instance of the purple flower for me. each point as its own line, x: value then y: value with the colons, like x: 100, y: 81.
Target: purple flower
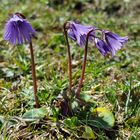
x: 114, y: 41
x: 111, y: 43
x: 108, y: 43
x: 18, y: 30
x: 79, y: 32
x: 101, y: 46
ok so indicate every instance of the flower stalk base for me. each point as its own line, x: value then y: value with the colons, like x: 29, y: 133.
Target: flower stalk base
x: 34, y: 76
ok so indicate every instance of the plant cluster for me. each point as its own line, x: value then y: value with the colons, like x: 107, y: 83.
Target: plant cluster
x: 72, y: 104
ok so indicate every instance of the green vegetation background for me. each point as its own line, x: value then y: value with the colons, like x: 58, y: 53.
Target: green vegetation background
x: 113, y: 83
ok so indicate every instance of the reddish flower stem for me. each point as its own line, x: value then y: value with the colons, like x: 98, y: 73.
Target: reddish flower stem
x: 83, y: 67
x: 34, y: 76
x: 69, y: 57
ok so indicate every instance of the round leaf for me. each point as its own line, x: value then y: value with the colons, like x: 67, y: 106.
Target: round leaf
x: 36, y: 113
x: 103, y: 118
x: 88, y: 134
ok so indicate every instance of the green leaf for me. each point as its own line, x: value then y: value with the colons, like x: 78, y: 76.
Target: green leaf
x: 36, y: 113
x: 74, y: 105
x: 1, y: 121
x: 102, y: 118
x: 85, y: 97
x: 71, y: 122
x: 133, y: 121
x: 88, y: 134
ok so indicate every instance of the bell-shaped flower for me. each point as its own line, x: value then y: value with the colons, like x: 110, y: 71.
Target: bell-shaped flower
x: 18, y: 30
x: 79, y: 32
x: 101, y: 46
x: 114, y: 41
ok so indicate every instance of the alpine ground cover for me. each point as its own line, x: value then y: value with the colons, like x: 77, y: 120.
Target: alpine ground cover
x: 111, y: 85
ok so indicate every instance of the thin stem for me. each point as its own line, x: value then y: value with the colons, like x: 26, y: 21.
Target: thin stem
x: 69, y: 57
x: 34, y: 76
x: 83, y: 66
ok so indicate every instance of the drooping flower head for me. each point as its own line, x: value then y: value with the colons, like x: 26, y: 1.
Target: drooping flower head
x: 18, y: 30
x: 79, y: 32
x: 114, y: 41
x: 101, y: 46
x: 108, y: 43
